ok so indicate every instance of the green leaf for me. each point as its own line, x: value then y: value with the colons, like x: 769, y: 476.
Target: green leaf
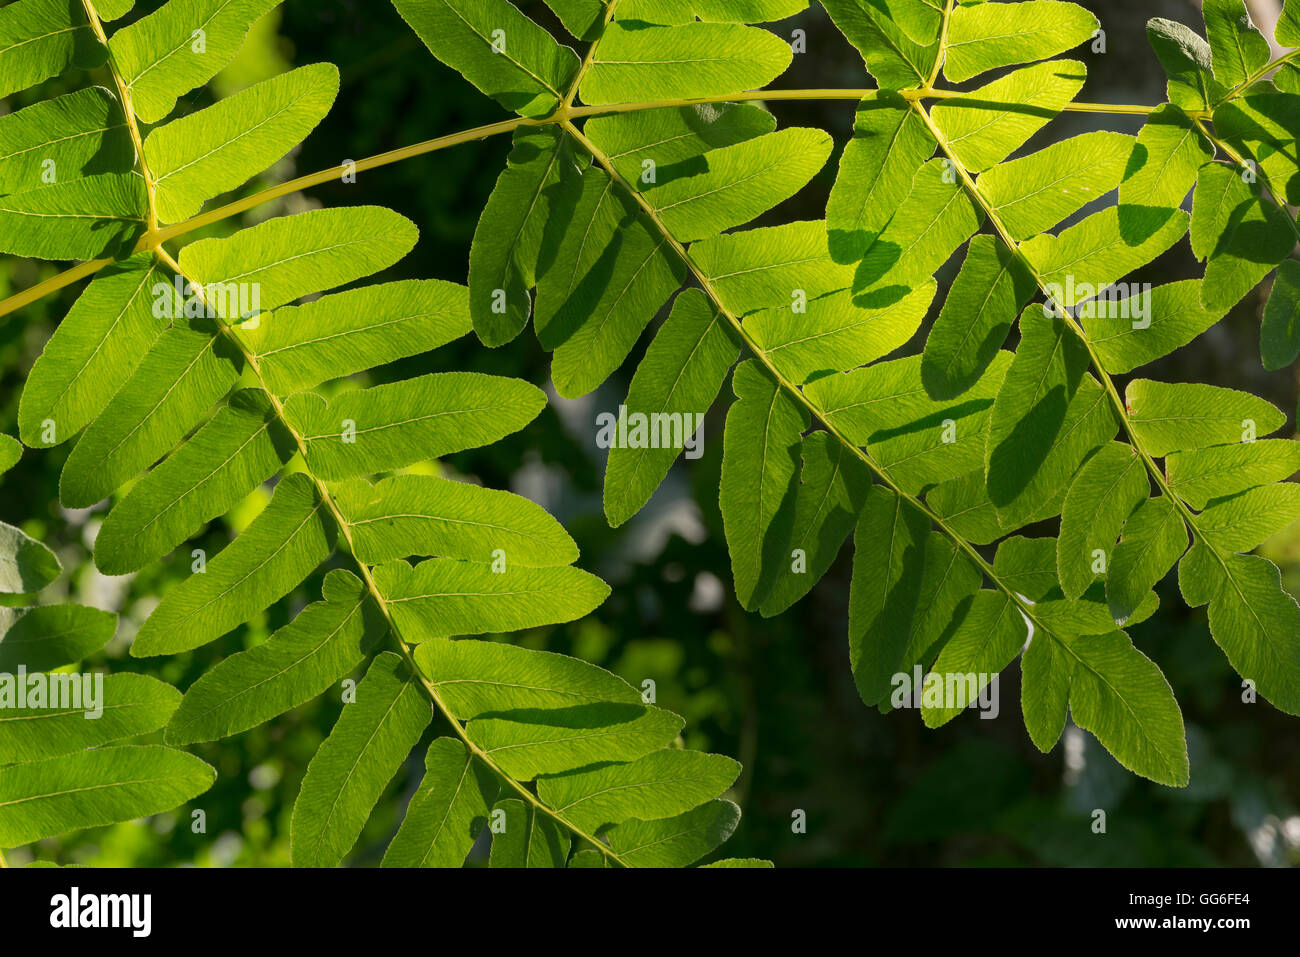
x: 42, y: 38
x: 580, y: 17
x: 179, y: 47
x: 11, y: 450
x: 1252, y: 618
x: 1103, y: 494
x: 523, y: 838
x: 1279, y: 336
x: 948, y: 586
x: 273, y: 555
x: 988, y: 639
x: 323, y: 643
x: 212, y: 151
x: 916, y: 440
x: 965, y: 507
x: 1036, y: 192
x: 1028, y: 567
x: 1119, y: 695
x: 1239, y: 52
x: 1047, y: 671
x: 681, y: 374
x: 1084, y: 259
x: 662, y: 784
x: 448, y: 810
x: 1199, y: 475
x: 1174, y: 417
x: 474, y: 678
x: 1263, y: 127
x: 890, y: 143
x: 180, y: 378
x: 741, y: 182
x: 745, y: 862
x: 1150, y: 324
x: 396, y: 424
x: 1185, y: 57
x: 505, y: 258
x: 51, y: 636
x: 368, y: 744
x: 931, y: 224
x: 75, y: 219
x: 889, y: 546
x: 51, y: 797
x: 80, y: 134
x: 236, y: 450
x: 989, y: 292
x: 82, y: 711
x: 775, y: 266
x: 1049, y: 416
x: 895, y: 60
x: 681, y: 61
x: 747, y: 11
x: 985, y: 126
x: 613, y: 271
x: 525, y: 744
x: 1288, y: 25
x: 833, y: 485
x: 920, y: 20
x: 497, y: 48
x: 1247, y: 520
x: 298, y: 347
x: 1161, y: 171
x: 296, y: 255
x: 407, y: 515
x: 1154, y: 539
x: 26, y: 565
x: 94, y: 350
x: 760, y: 464
x: 1242, y: 235
x: 676, y: 841
x: 667, y: 143
x: 109, y: 10
x: 442, y: 597
x: 833, y: 333
x: 985, y: 36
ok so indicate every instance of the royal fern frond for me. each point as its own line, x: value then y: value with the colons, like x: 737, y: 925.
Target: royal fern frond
x: 609, y: 206
x: 190, y: 379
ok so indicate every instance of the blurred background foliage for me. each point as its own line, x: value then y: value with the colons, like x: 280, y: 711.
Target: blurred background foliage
x: 776, y: 694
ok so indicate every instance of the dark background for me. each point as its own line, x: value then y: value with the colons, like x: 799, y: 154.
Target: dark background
x: 776, y: 694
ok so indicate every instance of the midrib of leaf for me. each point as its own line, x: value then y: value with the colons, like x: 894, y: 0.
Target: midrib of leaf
x: 63, y: 139
x: 128, y: 111
x: 310, y: 653
x: 194, y: 487
x: 1274, y: 194
x: 1025, y: 607
x: 1098, y: 369
x: 380, y: 599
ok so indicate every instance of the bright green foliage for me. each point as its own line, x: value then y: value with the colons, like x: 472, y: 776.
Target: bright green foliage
x: 190, y: 380
x: 214, y: 150
x: 351, y: 769
x: 966, y: 442
x: 496, y: 48
x: 56, y: 775
x: 80, y: 133
x: 985, y: 36
x: 162, y: 57
x: 646, y: 62
x: 186, y: 397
